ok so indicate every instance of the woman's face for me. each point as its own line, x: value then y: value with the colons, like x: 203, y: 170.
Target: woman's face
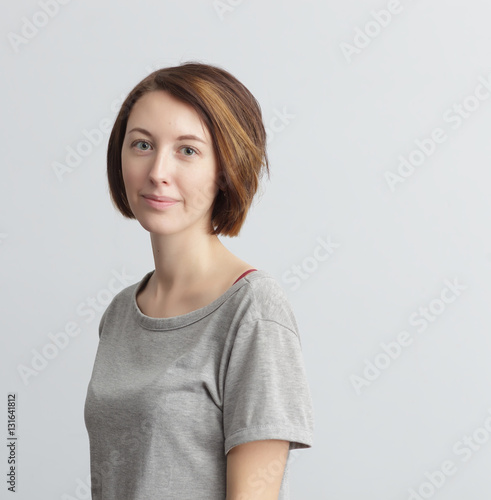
x: 168, y: 152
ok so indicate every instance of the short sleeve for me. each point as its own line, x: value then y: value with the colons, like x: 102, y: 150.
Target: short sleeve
x: 266, y: 393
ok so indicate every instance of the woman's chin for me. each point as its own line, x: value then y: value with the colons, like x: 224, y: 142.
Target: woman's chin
x: 159, y: 227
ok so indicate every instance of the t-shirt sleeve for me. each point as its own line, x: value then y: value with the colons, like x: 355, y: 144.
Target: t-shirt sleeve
x: 266, y: 393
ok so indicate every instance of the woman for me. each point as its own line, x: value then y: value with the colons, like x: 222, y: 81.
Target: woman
x: 198, y: 389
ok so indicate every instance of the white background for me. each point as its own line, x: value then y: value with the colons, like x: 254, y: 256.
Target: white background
x: 393, y: 251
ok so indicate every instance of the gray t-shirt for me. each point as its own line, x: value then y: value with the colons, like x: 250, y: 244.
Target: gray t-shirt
x: 169, y: 397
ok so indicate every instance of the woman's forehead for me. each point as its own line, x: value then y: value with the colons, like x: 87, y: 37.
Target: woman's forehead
x: 160, y: 111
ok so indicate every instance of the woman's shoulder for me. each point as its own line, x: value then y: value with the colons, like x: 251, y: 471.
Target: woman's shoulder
x: 123, y: 297
x: 268, y: 300
x: 262, y: 282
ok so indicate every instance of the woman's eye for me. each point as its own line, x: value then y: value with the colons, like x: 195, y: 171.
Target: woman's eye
x: 145, y: 146
x: 142, y: 142
x: 188, y: 151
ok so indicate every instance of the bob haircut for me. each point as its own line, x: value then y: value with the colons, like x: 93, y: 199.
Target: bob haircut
x: 233, y: 118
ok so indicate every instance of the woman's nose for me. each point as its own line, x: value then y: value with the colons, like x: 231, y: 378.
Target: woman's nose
x: 161, y: 168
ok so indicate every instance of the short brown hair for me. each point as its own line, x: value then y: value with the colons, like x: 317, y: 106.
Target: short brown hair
x: 234, y: 120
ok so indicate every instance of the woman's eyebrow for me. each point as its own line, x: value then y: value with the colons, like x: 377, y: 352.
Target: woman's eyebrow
x: 180, y: 138
x: 190, y: 137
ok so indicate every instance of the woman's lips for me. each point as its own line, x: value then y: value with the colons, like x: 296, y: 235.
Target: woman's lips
x: 160, y: 204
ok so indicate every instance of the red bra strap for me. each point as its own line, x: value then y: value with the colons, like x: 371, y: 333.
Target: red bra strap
x: 243, y: 274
